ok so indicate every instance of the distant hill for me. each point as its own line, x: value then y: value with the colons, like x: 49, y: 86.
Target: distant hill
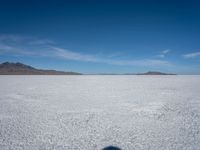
x: 146, y: 73
x: 8, y: 68
x: 155, y: 73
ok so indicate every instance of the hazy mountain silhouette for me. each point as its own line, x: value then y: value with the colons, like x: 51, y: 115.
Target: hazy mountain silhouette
x: 155, y: 73
x: 8, y: 68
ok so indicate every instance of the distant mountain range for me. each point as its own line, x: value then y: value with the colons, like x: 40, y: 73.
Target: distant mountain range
x: 9, y: 68
x: 146, y: 73
x: 155, y: 73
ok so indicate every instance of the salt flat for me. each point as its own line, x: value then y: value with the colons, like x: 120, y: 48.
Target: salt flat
x: 91, y: 112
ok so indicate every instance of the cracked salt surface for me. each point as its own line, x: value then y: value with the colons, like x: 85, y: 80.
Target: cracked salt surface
x: 92, y: 112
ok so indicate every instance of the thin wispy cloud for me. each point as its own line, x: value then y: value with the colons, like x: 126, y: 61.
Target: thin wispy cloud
x: 70, y: 55
x: 41, y: 42
x: 5, y: 47
x: 163, y: 53
x: 10, y: 38
x: 192, y: 55
x: 47, y: 48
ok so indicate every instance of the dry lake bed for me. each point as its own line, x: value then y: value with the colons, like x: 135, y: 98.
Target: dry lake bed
x: 91, y: 112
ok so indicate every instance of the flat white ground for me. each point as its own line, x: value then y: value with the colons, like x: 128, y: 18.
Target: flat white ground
x: 91, y: 112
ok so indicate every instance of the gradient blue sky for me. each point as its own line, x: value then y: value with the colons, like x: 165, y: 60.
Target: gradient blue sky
x: 108, y: 36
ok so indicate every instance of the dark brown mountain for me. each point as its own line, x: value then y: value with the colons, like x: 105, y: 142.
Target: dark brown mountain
x: 155, y: 73
x: 8, y: 68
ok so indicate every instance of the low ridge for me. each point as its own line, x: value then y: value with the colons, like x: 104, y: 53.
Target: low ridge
x: 9, y: 68
x: 155, y: 73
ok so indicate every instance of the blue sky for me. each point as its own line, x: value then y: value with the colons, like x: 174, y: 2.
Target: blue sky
x: 105, y: 36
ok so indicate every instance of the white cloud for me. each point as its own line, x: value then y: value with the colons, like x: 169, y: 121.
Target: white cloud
x: 44, y: 48
x: 41, y: 42
x: 192, y: 55
x: 163, y: 53
x: 166, y: 51
x: 138, y: 62
x: 5, y: 47
x: 67, y: 54
x: 70, y: 55
x: 10, y: 37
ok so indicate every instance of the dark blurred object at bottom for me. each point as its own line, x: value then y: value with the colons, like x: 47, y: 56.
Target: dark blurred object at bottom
x: 111, y: 148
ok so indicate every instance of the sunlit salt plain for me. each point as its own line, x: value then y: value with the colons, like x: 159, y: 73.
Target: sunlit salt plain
x: 92, y: 112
